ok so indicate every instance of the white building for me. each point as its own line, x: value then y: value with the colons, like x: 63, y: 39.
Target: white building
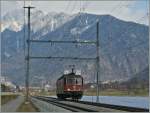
x: 47, y: 87
x: 6, y: 82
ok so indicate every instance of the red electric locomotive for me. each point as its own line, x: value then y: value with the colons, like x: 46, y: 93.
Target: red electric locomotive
x: 70, y: 86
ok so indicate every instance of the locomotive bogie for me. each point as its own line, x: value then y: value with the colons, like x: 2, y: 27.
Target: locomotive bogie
x: 73, y: 95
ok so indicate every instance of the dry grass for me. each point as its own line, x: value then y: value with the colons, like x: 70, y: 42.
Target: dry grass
x: 114, y: 92
x: 27, y: 107
x: 7, y: 98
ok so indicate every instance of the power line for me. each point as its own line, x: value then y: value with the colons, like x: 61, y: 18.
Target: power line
x: 126, y: 49
x: 61, y: 58
x: 73, y: 7
x: 116, y: 7
x: 126, y: 30
x: 50, y: 41
x: 66, y: 58
x: 68, y: 5
x: 131, y: 27
x: 65, y: 31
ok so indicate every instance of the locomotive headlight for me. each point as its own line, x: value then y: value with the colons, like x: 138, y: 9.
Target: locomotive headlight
x: 68, y: 89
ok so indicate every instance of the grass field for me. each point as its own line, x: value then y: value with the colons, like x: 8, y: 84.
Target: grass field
x: 114, y: 92
x: 109, y: 92
x: 7, y: 98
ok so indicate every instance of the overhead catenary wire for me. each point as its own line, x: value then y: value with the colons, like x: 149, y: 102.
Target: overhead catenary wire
x: 51, y: 57
x: 61, y: 58
x: 66, y: 10
x: 28, y: 54
x: 73, y: 6
x: 80, y: 16
x: 65, y: 29
x: 67, y: 6
x: 129, y: 48
x: 115, y: 8
x: 126, y: 30
x: 131, y: 27
x: 126, y: 50
x: 52, y: 41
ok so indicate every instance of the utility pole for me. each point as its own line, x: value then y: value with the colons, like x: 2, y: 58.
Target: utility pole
x: 97, y: 61
x: 28, y: 54
x: 29, y: 41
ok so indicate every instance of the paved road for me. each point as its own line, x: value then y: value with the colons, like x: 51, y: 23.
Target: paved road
x: 12, y: 105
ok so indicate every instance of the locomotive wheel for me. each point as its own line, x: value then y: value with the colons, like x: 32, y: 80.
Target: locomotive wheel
x: 75, y: 98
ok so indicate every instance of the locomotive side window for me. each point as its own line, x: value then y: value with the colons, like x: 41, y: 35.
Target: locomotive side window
x: 64, y: 81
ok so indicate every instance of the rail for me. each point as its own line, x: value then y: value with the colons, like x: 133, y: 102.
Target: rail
x: 89, y: 106
x: 65, y: 105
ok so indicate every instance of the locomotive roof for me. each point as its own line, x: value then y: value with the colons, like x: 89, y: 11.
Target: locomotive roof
x: 70, y: 75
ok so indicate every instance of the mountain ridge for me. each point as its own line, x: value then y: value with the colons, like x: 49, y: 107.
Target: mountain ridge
x: 119, y: 58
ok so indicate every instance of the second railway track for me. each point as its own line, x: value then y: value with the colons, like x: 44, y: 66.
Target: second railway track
x: 83, y: 106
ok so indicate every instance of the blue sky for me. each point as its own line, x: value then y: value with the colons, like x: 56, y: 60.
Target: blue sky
x: 126, y: 10
x: 141, y: 5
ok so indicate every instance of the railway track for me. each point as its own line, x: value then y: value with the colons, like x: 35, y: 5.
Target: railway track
x: 84, y: 106
x: 64, y: 105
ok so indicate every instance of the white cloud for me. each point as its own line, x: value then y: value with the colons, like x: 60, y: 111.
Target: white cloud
x: 7, y: 6
x: 120, y: 9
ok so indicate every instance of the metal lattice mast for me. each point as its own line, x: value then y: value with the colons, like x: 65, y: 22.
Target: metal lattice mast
x: 97, y: 61
x: 28, y: 54
x: 28, y: 57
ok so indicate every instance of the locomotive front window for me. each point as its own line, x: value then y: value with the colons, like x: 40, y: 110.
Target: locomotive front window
x: 71, y: 81
x: 77, y: 81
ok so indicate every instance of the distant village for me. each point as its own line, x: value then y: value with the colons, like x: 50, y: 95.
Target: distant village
x: 9, y: 86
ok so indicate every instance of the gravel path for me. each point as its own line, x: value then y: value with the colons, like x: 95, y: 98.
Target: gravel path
x: 27, y: 107
x: 12, y: 105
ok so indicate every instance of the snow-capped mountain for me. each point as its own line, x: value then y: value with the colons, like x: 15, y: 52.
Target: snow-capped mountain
x: 15, y: 20
x: 12, y: 20
x: 49, y: 23
x: 123, y: 46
